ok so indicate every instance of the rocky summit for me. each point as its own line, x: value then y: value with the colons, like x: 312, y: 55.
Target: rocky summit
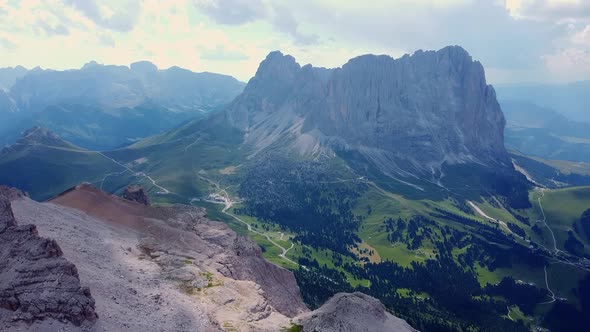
x: 356, y: 312
x: 410, y: 115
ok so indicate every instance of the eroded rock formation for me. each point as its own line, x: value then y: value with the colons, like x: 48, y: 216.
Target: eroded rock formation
x: 36, y: 281
x: 135, y: 193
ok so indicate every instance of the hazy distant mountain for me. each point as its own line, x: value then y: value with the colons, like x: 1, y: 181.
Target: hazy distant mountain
x: 101, y: 107
x: 8, y: 76
x: 112, y: 87
x: 543, y: 132
x: 571, y: 100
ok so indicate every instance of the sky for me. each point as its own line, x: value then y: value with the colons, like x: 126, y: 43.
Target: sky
x: 518, y: 41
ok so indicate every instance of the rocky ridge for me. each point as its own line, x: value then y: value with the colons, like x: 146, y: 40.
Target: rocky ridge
x: 408, y: 116
x: 169, y: 263
x: 36, y: 281
x: 168, y: 268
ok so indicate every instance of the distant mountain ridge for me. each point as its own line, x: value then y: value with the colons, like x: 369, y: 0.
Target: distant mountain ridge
x: 9, y: 75
x: 114, y: 87
x: 104, y: 106
x: 544, y: 132
x: 569, y: 99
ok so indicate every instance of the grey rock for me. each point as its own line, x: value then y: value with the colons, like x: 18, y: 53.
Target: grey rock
x: 181, y: 240
x: 135, y: 193
x: 278, y: 283
x: 356, y: 312
x: 36, y: 281
x: 6, y: 216
x: 408, y: 116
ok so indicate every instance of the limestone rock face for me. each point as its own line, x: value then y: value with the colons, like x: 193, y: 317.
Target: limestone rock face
x: 278, y: 283
x: 406, y: 115
x: 135, y: 193
x: 36, y: 282
x: 356, y: 312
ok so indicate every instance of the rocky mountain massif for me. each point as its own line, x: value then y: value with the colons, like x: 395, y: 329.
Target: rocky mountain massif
x: 409, y: 117
x: 101, y: 106
x: 422, y: 120
x: 151, y: 269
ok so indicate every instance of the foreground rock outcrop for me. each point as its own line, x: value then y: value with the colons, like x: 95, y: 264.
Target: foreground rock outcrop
x: 165, y: 268
x: 36, y: 281
x: 356, y: 312
x: 151, y: 268
x: 136, y: 193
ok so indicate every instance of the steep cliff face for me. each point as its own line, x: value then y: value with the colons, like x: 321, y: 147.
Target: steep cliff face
x: 407, y: 115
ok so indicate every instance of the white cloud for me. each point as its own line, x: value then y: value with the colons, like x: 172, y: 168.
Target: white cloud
x: 582, y: 37
x: 569, y: 64
x: 233, y: 12
x: 515, y: 39
x: 119, y: 15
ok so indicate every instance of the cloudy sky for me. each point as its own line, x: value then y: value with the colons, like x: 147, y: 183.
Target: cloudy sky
x: 516, y: 40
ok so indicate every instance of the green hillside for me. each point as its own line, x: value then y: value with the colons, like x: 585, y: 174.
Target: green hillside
x: 427, y: 254
x: 46, y: 170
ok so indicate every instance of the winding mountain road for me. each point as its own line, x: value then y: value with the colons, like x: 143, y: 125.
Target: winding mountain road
x: 229, y: 203
x: 163, y: 190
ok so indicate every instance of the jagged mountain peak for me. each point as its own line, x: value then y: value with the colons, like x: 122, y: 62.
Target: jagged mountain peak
x: 408, y: 116
x: 277, y: 66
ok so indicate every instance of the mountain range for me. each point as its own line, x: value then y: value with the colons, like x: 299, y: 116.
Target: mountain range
x: 568, y: 99
x: 103, y: 107
x: 547, y: 121
x: 388, y: 177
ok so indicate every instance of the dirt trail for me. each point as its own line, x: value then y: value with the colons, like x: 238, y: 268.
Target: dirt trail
x: 544, y: 221
x: 228, y: 203
x: 162, y: 191
x: 483, y: 214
